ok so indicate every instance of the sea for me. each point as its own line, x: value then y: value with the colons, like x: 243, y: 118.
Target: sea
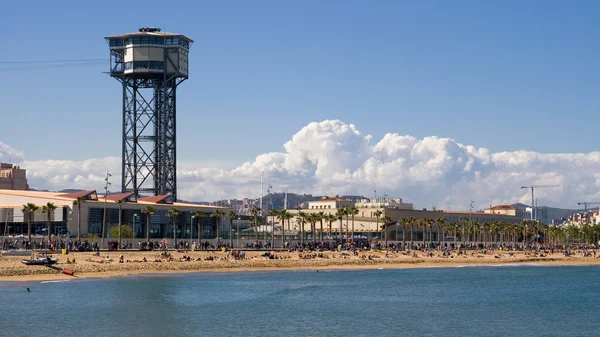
x: 469, y: 301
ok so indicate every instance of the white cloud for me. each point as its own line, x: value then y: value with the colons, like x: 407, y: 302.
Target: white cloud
x: 10, y: 155
x: 332, y: 157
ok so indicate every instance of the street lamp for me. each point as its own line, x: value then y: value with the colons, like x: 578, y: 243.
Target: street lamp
x: 134, y: 226
x: 237, y: 231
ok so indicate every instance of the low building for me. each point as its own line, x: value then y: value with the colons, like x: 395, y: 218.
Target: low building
x: 13, y: 177
x: 94, y: 209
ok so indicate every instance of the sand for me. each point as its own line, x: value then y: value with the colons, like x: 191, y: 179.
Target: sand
x: 11, y: 268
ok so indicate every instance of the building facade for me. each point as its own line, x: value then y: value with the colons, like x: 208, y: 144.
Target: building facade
x: 13, y: 177
x: 94, y: 209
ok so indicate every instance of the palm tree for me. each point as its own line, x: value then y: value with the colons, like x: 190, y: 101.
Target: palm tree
x: 255, y: 212
x: 231, y: 215
x: 339, y: 214
x: 347, y: 214
x: 77, y: 202
x: 48, y: 209
x: 353, y: 211
x: 439, y: 223
x: 149, y: 211
x: 377, y: 214
x: 199, y: 215
x: 411, y: 220
x: 273, y: 213
x: 302, y: 217
x: 29, y: 209
x: 404, y: 222
x: 217, y: 214
x: 463, y: 220
x: 174, y: 213
x: 424, y: 223
x: 329, y: 218
x: 321, y: 216
x: 284, y: 215
x: 120, y: 202
x: 386, y: 220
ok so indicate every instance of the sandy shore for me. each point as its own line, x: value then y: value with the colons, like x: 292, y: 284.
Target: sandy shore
x: 11, y: 268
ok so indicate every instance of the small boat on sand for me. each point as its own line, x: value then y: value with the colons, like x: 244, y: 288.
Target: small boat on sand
x: 40, y: 261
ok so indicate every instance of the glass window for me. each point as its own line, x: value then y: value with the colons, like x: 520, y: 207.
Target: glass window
x: 116, y: 42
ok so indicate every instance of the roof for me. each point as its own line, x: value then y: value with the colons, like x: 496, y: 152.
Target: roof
x: 328, y: 199
x: 75, y: 195
x: 502, y: 207
x: 164, y: 34
x: 120, y: 196
x: 156, y: 199
x: 474, y: 213
x: 36, y: 194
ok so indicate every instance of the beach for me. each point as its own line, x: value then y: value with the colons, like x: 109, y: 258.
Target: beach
x: 88, y: 264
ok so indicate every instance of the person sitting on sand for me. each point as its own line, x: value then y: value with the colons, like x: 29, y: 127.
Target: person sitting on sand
x: 68, y: 261
x: 121, y: 258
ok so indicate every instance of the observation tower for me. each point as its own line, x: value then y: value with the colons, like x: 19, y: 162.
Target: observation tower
x: 150, y: 64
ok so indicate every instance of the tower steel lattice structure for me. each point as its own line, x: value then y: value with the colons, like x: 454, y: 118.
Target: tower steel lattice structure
x: 150, y: 65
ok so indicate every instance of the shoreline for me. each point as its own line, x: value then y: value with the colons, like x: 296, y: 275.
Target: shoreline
x: 11, y: 270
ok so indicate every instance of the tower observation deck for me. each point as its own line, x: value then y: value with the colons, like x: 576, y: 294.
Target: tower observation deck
x: 150, y: 64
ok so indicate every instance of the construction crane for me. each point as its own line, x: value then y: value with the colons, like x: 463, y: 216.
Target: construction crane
x: 586, y: 204
x: 533, y: 187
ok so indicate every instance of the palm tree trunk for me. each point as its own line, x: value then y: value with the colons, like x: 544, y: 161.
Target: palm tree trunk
x: 49, y: 230
x: 230, y: 236
x: 199, y: 230
x: 119, y: 240
x: 148, y: 220
x: 78, y: 223
x: 321, y: 236
x: 174, y: 233
x: 352, y: 227
x: 28, y: 228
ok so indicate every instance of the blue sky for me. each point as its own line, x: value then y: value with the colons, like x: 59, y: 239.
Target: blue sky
x: 504, y: 75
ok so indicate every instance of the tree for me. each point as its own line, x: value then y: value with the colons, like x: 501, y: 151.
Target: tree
x: 284, y: 215
x: 339, y: 214
x: 120, y: 202
x: 313, y: 218
x: 439, y: 223
x: 174, y: 213
x: 378, y: 213
x: 29, y: 209
x: 330, y: 218
x: 231, y: 215
x: 48, y: 209
x: 199, y: 215
x: 217, y: 214
x: 273, y: 213
x: 255, y: 212
x: 302, y: 217
x: 404, y: 222
x: 353, y: 211
x: 149, y: 211
x: 386, y: 221
x: 321, y: 217
x: 77, y: 202
x: 463, y: 220
x: 424, y: 223
x: 121, y: 231
x: 411, y: 220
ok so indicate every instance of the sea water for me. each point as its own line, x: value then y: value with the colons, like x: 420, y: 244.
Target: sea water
x: 471, y: 301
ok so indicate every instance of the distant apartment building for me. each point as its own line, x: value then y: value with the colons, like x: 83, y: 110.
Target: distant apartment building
x: 13, y: 177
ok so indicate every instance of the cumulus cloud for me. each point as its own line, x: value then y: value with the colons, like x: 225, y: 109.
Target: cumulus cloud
x: 10, y: 155
x: 332, y: 157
